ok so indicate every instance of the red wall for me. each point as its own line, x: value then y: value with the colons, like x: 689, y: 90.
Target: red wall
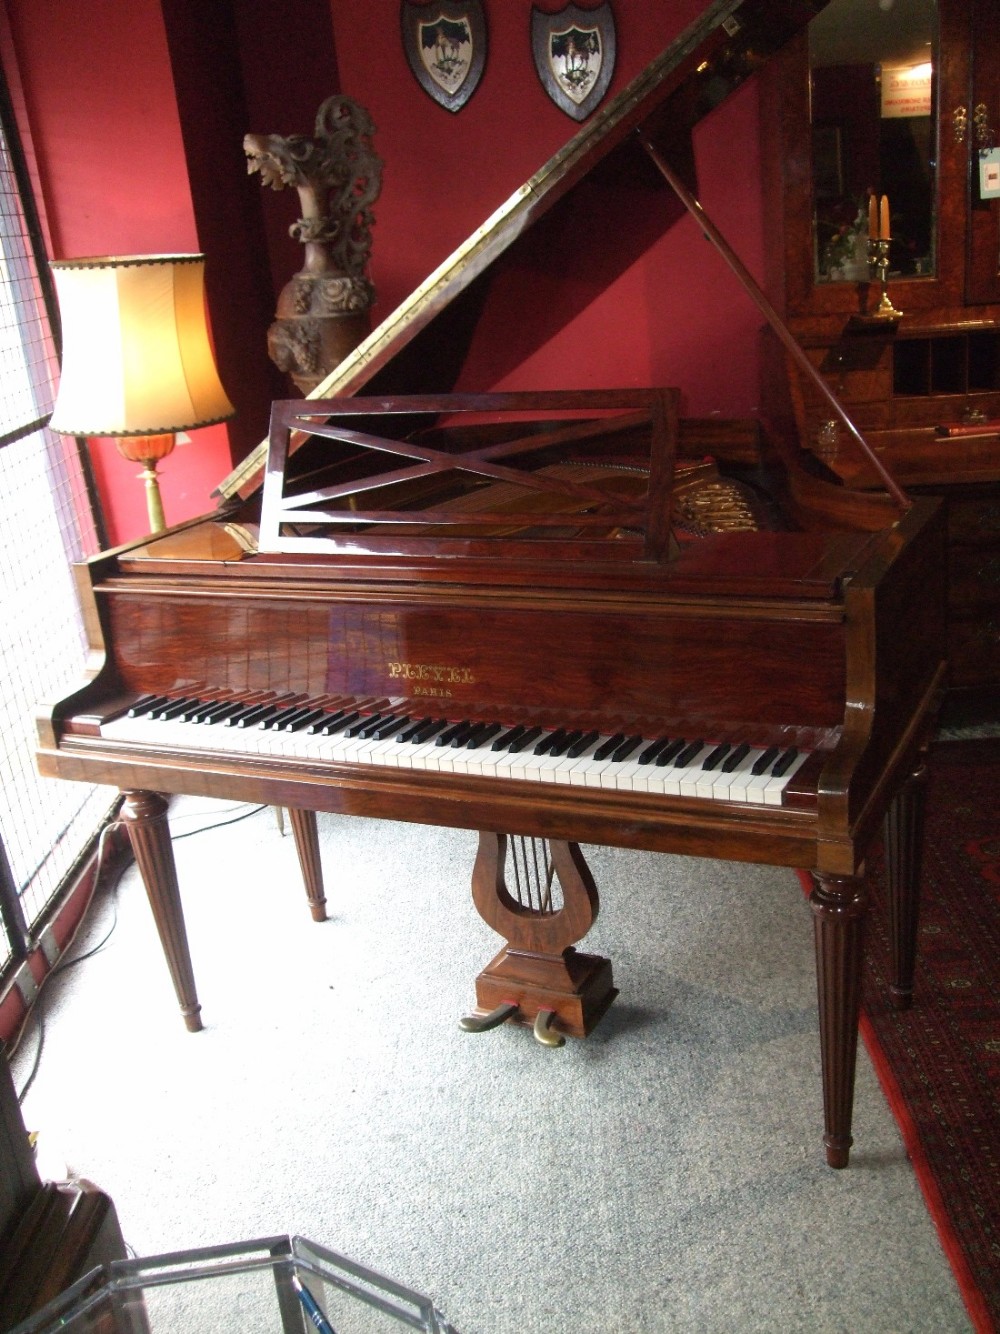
x: 101, y: 112
x: 137, y: 110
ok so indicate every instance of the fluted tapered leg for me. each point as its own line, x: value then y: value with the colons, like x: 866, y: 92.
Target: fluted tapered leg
x: 307, y: 846
x: 903, y: 833
x: 839, y: 904
x: 145, y: 818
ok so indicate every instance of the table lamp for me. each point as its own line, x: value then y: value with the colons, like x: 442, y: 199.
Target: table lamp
x: 137, y: 362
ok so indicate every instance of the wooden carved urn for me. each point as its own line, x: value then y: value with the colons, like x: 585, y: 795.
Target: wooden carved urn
x: 323, y: 312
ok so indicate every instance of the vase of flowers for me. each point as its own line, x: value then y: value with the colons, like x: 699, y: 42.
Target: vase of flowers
x: 842, y: 243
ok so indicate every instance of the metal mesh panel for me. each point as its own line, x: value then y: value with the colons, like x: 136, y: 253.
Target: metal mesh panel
x: 43, y: 822
x: 45, y: 523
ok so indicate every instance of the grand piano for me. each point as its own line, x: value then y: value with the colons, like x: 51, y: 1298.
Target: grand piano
x: 501, y: 612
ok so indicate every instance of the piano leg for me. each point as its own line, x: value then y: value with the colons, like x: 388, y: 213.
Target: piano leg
x: 307, y: 847
x: 145, y: 818
x: 903, y: 840
x: 539, y: 974
x: 839, y: 905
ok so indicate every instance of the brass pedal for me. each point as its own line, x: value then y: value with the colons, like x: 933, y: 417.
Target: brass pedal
x: 482, y: 1023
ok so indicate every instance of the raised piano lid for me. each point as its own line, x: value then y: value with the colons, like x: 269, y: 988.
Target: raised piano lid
x: 696, y: 72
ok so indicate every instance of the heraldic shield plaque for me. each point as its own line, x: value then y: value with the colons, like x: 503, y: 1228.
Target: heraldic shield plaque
x: 574, y: 53
x: 445, y: 44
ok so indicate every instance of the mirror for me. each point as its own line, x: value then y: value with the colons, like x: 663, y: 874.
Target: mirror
x: 873, y: 83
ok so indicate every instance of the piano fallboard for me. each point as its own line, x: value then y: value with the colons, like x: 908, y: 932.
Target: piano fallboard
x: 816, y: 648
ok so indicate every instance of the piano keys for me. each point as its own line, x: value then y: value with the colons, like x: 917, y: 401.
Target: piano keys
x: 566, y: 750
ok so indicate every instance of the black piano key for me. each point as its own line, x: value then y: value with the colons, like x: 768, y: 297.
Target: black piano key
x: 364, y: 720
x: 178, y: 708
x: 562, y: 746
x: 715, y: 757
x: 154, y: 709
x: 784, y: 763
x: 446, y: 737
x: 157, y: 710
x: 291, y: 715
x: 481, y: 734
x: 525, y: 739
x: 370, y: 729
x: 337, y: 722
x: 609, y: 747
x: 390, y: 725
x: 650, y: 753
x: 255, y: 714
x: 764, y: 762
x: 411, y: 732
x: 461, y: 737
x: 286, y: 715
x: 546, y: 742
x: 670, y: 753
x: 578, y: 747
x: 305, y: 719
x: 215, y: 712
x: 329, y: 717
x: 688, y: 753
x: 626, y: 748
x: 144, y: 704
x: 506, y: 739
x: 428, y: 729
x: 735, y: 758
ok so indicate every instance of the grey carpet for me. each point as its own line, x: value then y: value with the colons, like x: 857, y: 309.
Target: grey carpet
x: 665, y: 1174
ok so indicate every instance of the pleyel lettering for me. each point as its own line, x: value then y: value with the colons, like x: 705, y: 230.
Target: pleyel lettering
x: 426, y: 671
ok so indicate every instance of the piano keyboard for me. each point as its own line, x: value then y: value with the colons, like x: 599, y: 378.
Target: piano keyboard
x: 391, y: 733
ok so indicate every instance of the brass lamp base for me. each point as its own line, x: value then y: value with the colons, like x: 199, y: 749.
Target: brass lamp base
x: 148, y: 450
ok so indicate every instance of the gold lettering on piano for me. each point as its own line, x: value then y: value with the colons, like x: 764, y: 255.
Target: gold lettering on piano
x: 437, y: 691
x: 436, y: 675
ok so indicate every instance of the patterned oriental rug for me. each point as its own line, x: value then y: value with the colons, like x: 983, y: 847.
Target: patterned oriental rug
x: 939, y: 1063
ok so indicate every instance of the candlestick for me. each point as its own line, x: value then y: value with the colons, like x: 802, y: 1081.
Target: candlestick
x: 883, y: 221
x: 878, y: 256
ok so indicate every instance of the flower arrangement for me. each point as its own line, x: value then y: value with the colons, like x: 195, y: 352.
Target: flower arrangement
x: 842, y: 238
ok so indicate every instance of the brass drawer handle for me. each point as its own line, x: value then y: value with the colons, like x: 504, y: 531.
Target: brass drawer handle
x: 981, y: 120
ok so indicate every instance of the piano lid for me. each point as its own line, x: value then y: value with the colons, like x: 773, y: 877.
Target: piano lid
x: 708, y: 61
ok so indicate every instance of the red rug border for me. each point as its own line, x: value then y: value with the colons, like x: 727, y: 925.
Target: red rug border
x: 972, y: 1295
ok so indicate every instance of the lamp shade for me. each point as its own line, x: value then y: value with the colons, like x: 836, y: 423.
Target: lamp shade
x: 136, y: 353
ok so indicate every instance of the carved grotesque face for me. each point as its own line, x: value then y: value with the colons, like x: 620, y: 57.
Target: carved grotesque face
x: 260, y: 157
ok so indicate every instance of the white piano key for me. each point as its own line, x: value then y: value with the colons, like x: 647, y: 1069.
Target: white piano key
x: 776, y: 786
x: 688, y: 776
x: 585, y: 768
x: 744, y: 783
